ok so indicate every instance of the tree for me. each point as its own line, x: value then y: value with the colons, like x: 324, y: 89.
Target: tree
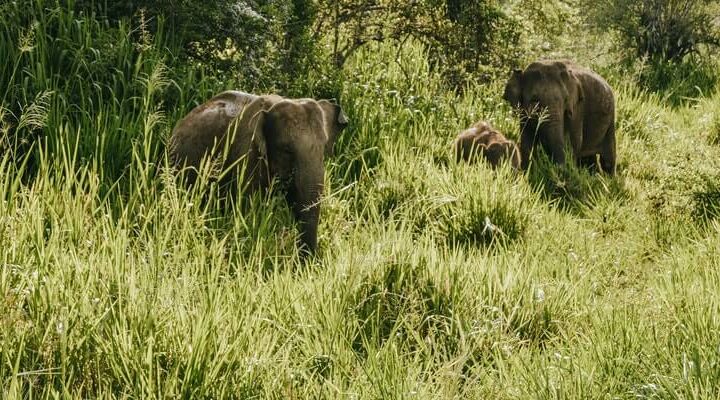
x: 266, y: 43
x: 463, y: 37
x: 666, y: 30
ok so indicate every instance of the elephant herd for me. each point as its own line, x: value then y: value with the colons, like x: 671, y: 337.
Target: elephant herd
x: 257, y: 139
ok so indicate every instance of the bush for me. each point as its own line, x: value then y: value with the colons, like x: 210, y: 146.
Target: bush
x: 478, y: 39
x: 403, y: 302
x: 265, y: 43
x: 681, y: 81
x: 467, y: 39
x: 667, y: 30
x: 81, y: 88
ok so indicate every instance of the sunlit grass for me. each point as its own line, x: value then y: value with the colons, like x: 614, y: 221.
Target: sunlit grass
x: 433, y: 280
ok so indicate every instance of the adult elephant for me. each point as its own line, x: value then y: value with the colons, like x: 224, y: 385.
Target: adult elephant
x: 259, y: 138
x: 580, y: 106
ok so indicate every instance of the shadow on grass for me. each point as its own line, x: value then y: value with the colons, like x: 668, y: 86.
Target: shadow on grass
x: 572, y: 188
x: 477, y: 220
x: 401, y: 303
x: 706, y: 200
x: 680, y: 82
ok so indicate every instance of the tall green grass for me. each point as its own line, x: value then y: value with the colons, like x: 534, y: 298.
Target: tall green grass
x: 434, y: 279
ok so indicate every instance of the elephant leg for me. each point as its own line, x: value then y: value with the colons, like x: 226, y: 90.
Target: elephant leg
x: 575, y: 148
x: 608, y: 156
x: 575, y: 127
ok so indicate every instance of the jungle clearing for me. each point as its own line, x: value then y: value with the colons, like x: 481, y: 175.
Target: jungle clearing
x: 433, y: 279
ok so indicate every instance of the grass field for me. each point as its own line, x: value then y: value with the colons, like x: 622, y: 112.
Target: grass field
x: 434, y: 279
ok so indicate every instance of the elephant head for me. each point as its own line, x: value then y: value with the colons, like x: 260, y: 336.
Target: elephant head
x: 496, y: 152
x: 512, y: 88
x: 547, y: 96
x: 481, y: 140
x: 291, y: 137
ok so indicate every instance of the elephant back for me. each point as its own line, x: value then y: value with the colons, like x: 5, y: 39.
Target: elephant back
x: 203, y: 128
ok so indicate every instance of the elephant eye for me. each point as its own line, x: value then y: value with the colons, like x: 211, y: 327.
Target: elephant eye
x: 281, y: 151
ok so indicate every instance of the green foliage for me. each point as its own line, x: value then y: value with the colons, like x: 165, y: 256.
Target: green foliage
x: 263, y: 44
x: 683, y: 81
x: 666, y: 44
x: 209, y: 30
x: 666, y: 30
x: 75, y: 85
x: 116, y: 282
x: 468, y: 40
x: 477, y: 40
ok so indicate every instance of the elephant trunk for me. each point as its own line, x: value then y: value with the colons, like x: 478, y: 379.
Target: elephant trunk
x: 304, y: 196
x: 552, y: 135
x: 548, y: 131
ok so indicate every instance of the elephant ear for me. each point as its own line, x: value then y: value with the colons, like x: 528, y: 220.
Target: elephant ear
x: 258, y: 127
x: 335, y: 121
x: 513, y: 88
x: 574, y: 96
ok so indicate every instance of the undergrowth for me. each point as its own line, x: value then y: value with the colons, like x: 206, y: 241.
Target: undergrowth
x: 433, y: 279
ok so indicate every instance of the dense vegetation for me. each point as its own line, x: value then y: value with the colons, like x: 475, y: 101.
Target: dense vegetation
x: 434, y: 279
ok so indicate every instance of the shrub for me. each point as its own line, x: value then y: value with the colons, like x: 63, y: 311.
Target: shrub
x: 204, y: 28
x: 706, y: 200
x: 467, y: 39
x: 265, y: 43
x: 680, y: 81
x: 667, y: 30
x: 402, y: 300
x: 475, y: 39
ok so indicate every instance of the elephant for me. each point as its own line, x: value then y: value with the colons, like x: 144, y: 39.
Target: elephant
x: 481, y: 139
x: 580, y: 105
x: 261, y: 138
x: 203, y: 128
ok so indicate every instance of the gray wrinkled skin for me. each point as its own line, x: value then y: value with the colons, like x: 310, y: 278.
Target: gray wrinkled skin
x: 580, y: 111
x: 259, y: 138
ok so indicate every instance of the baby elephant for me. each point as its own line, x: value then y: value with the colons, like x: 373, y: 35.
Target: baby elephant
x: 483, y: 140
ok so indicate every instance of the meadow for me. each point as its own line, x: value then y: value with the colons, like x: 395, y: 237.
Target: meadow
x: 433, y: 280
